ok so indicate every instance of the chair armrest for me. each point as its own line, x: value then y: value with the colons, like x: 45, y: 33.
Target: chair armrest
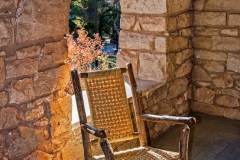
x: 104, y: 143
x: 172, y: 119
x: 93, y: 130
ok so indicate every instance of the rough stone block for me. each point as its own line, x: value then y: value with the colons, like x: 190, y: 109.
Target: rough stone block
x: 232, y: 113
x: 223, y: 5
x: 22, y: 67
x: 234, y: 20
x: 73, y: 150
x: 130, y: 40
x: 2, y: 144
x: 230, y: 92
x: 32, y: 25
x: 22, y: 91
x: 144, y: 6
x: 62, y: 77
x: 184, y: 20
x: 204, y: 84
x: 44, y: 100
x: 182, y: 56
x: 238, y: 83
x: 202, y: 42
x: 156, y: 96
x: 161, y: 44
x: 148, y: 62
x: 178, y: 87
x: 165, y: 107
x: 184, y: 69
x: 177, y: 101
x: 39, y: 155
x: 227, y: 101
x: 43, y: 82
x: 2, y: 53
x: 8, y: 118
x: 177, y: 43
x: 233, y: 62
x: 125, y: 57
x: 137, y: 26
x: 60, y: 116
x: 28, y: 52
x: 35, y: 114
x: 183, y: 108
x: 171, y: 23
x: 199, y: 74
x: 171, y: 67
x: 235, y: 76
x: 2, y: 72
x: 213, y: 66
x: 199, y: 4
x: 155, y: 24
x: 51, y: 80
x: 46, y: 146
x: 176, y: 6
x: 224, y: 81
x: 3, y: 99
x: 189, y: 94
x: 204, y: 95
x: 6, y: 32
x: 230, y: 32
x: 210, y: 18
x: 206, y: 109
x: 208, y: 55
x: 42, y: 134
x: 213, y: 75
x: 185, y: 32
x: 226, y: 43
x: 53, y: 54
x: 22, y: 142
x: 206, y: 31
x: 42, y: 122
x: 127, y: 21
x: 6, y: 4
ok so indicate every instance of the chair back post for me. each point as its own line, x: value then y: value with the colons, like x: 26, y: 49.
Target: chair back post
x: 137, y: 107
x: 81, y: 114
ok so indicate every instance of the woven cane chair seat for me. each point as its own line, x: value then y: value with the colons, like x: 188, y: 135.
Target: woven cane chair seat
x: 143, y: 153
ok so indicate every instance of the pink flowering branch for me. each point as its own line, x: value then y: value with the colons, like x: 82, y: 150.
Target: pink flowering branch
x: 83, y: 50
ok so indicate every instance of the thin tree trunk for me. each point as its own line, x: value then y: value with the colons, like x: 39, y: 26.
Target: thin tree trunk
x: 95, y: 16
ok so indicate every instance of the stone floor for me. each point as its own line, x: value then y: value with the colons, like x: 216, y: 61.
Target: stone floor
x: 212, y: 138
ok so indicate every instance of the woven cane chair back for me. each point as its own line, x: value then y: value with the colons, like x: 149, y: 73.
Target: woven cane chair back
x: 108, y: 104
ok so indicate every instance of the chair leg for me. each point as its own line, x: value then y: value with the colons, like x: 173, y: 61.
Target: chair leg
x: 107, y: 149
x: 183, y: 144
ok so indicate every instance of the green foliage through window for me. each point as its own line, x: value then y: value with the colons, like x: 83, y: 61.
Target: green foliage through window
x: 96, y: 16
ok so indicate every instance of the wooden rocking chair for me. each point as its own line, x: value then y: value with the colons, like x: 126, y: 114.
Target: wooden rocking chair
x: 110, y: 116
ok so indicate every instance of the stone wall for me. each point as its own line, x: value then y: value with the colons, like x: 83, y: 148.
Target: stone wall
x: 216, y: 72
x: 35, y: 112
x: 156, y: 39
